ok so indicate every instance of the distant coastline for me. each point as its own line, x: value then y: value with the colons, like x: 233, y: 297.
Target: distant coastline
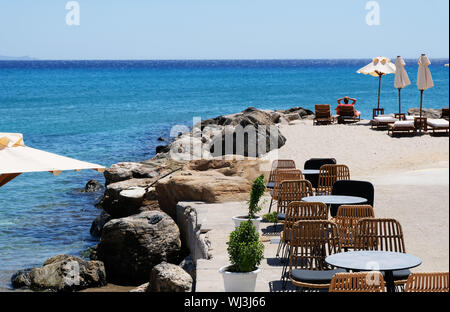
x: 17, y: 58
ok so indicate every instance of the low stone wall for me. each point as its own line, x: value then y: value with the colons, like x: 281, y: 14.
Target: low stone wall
x: 193, y: 236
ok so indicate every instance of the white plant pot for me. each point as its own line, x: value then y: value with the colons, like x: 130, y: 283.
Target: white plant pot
x: 239, y: 219
x: 239, y: 282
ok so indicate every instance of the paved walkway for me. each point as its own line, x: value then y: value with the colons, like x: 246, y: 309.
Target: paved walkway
x: 217, y: 217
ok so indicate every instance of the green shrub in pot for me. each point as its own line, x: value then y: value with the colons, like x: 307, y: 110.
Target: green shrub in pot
x: 244, y: 248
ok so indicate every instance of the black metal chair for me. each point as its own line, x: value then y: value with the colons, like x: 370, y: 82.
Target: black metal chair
x: 362, y: 189
x: 316, y: 163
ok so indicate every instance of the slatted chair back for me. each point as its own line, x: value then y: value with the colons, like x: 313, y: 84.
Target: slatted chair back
x: 328, y: 175
x: 427, y: 282
x: 323, y: 111
x: 299, y: 211
x: 291, y: 191
x: 316, y: 163
x: 312, y: 241
x: 347, y: 218
x: 280, y: 164
x: 379, y: 234
x: 347, y: 111
x: 358, y: 282
x: 285, y: 175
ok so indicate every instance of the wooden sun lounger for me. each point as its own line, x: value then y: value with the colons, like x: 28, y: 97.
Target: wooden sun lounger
x: 404, y: 126
x: 323, y: 114
x: 348, y: 113
x: 438, y: 125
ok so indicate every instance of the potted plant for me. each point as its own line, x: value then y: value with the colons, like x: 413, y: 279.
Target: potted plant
x: 245, y: 253
x: 258, y: 189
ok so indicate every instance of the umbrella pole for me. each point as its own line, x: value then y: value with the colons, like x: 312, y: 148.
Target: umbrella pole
x: 420, y: 111
x: 399, y: 102
x: 379, y: 90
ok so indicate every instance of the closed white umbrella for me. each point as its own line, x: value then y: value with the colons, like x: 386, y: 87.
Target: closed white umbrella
x: 379, y: 67
x: 16, y: 158
x: 424, y: 80
x: 401, y: 79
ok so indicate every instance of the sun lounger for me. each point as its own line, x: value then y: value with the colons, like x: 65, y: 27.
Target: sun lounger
x: 401, y: 127
x: 323, y: 114
x: 382, y: 121
x: 438, y: 125
x: 347, y: 113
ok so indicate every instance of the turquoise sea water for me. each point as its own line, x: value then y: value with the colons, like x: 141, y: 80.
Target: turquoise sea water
x: 111, y: 111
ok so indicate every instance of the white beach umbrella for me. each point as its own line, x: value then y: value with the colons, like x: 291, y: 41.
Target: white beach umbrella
x: 379, y: 67
x: 16, y: 158
x: 424, y: 79
x: 401, y: 79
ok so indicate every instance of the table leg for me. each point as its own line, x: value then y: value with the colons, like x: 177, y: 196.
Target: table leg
x: 389, y: 280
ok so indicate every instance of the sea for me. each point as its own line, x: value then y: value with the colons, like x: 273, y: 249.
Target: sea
x: 111, y: 111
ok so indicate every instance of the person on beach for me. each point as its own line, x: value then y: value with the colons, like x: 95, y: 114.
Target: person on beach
x: 346, y: 100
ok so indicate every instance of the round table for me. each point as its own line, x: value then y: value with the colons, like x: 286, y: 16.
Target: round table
x: 375, y: 260
x: 335, y: 199
x: 310, y: 171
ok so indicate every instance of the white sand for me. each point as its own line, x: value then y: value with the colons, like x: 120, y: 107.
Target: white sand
x: 410, y: 176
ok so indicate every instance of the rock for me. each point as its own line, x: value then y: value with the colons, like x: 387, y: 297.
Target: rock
x: 21, y: 279
x: 142, y: 288
x: 188, y: 265
x: 231, y: 181
x: 302, y: 112
x: 248, y: 140
x: 132, y: 197
x: 426, y: 112
x: 162, y: 149
x: 151, y: 194
x: 62, y: 273
x: 149, y: 169
x: 168, y: 277
x: 123, y: 199
x: 93, y: 186
x: 98, y: 223
x: 131, y: 246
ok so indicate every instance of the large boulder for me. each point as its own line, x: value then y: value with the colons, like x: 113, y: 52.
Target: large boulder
x: 124, y: 198
x: 62, y: 273
x: 167, y: 277
x: 247, y: 140
x: 131, y: 246
x: 199, y: 181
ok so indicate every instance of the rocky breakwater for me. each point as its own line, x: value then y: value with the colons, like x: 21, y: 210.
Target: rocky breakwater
x: 139, y: 241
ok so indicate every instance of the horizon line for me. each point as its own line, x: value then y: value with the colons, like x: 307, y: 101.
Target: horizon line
x: 27, y: 58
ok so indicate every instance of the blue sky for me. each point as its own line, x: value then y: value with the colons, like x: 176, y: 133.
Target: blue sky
x: 223, y: 29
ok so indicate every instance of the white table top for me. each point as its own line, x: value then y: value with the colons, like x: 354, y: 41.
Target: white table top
x: 373, y: 260
x: 335, y: 199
